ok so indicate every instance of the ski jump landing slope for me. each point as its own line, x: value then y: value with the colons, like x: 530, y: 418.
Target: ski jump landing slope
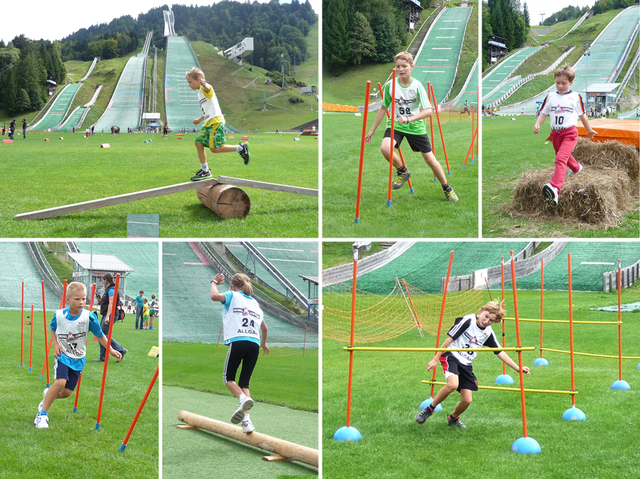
x: 180, y: 100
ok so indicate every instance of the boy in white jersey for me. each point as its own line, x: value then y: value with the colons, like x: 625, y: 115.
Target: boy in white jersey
x: 412, y: 107
x: 470, y: 331
x: 563, y: 109
x: 211, y: 135
x: 245, y: 332
x: 70, y: 329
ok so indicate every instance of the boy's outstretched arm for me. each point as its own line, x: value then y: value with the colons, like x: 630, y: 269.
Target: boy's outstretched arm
x: 434, y: 362
x: 426, y: 113
x: 541, y: 118
x: 509, y: 362
x: 382, y: 113
x: 585, y: 122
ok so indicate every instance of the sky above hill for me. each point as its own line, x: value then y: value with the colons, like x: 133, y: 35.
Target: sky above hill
x: 60, y: 19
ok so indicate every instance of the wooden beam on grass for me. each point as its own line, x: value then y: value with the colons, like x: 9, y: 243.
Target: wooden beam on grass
x: 283, y: 448
x: 115, y: 200
x: 298, y: 190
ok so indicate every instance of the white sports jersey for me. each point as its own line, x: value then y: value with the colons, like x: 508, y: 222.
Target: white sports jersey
x: 467, y: 334
x: 209, y: 104
x: 410, y: 100
x: 242, y: 318
x: 563, y: 110
x: 72, y: 335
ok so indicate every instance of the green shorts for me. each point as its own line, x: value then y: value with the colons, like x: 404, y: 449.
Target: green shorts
x: 212, y: 136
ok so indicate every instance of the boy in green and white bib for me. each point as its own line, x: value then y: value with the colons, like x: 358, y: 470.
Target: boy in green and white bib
x: 412, y: 107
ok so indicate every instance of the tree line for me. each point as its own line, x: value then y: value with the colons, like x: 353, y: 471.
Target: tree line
x: 567, y: 13
x: 602, y: 6
x: 278, y: 30
x: 507, y: 19
x: 362, y: 31
x: 25, y: 66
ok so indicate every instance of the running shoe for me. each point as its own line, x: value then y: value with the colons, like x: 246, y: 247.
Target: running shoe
x: 247, y: 426
x: 41, y: 421
x: 201, y: 175
x: 551, y: 194
x: 243, y: 407
x: 571, y: 172
x: 400, y: 180
x: 450, y: 195
x: 455, y: 422
x: 245, y: 153
x: 423, y: 415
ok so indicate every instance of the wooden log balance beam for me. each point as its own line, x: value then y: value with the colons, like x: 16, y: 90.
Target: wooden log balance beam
x: 273, y: 445
x: 168, y: 190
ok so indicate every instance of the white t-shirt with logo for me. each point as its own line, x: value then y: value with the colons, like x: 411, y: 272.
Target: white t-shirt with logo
x: 241, y: 318
x: 563, y: 110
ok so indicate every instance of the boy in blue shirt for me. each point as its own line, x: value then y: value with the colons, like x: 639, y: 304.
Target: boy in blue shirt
x: 70, y: 329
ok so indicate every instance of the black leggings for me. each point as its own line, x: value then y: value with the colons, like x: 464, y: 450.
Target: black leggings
x: 246, y: 352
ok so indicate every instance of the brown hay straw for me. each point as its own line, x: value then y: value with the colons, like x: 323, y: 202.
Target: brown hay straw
x: 601, y: 195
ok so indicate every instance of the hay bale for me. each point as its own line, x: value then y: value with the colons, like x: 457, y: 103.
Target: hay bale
x: 610, y: 155
x: 596, y: 197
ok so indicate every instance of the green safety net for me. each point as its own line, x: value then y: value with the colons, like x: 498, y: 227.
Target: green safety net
x: 143, y: 226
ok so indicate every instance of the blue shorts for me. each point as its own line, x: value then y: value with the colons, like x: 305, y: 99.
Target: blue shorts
x: 62, y: 371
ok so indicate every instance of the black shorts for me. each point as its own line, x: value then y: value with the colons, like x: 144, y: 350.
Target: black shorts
x: 62, y: 371
x: 419, y: 143
x: 246, y: 352
x: 466, y: 378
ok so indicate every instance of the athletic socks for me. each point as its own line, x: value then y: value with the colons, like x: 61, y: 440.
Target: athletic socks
x: 204, y: 166
x: 402, y: 170
x: 238, y: 148
x: 44, y: 413
x: 431, y: 408
x: 242, y: 397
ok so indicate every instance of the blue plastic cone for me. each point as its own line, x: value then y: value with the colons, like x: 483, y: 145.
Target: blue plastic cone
x: 345, y: 433
x: 426, y: 402
x: 541, y: 362
x: 621, y: 385
x: 574, y: 414
x: 504, y: 379
x: 526, y: 445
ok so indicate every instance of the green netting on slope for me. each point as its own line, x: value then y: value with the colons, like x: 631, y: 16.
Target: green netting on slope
x: 180, y: 100
x: 143, y: 226
x: 73, y: 119
x: 59, y: 109
x: 470, y: 93
x: 142, y: 256
x: 290, y: 258
x: 504, y: 69
x: 188, y: 314
x: 17, y: 266
x: 599, y: 65
x: 437, y: 59
x: 424, y: 264
x: 125, y: 108
x: 588, y: 262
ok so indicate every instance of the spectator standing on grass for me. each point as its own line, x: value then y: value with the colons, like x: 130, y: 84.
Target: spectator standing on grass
x: 12, y: 128
x: 139, y: 308
x: 153, y: 311
x: 24, y: 128
x: 110, y: 299
x: 70, y: 327
x: 245, y: 332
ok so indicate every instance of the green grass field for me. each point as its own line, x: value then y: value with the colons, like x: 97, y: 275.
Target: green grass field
x: 284, y: 386
x: 503, y: 164
x: 387, y: 392
x: 424, y: 213
x: 40, y: 175
x: 72, y: 438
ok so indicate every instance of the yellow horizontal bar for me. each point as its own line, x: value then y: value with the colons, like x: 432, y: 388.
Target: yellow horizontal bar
x: 413, y: 350
x: 497, y: 388
x: 588, y: 354
x: 564, y: 321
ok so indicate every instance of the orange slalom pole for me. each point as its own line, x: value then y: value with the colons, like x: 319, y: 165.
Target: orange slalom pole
x: 473, y: 118
x: 399, y: 150
x: 393, y: 121
x: 31, y: 341
x: 46, y: 349
x: 444, y: 147
x: 218, y: 343
x: 431, y: 100
x: 415, y: 313
x: 470, y: 146
x: 488, y: 290
x: 22, y: 325
x: 573, y: 376
x: 364, y: 133
x: 108, y: 349
x: 353, y: 325
x: 93, y: 295
x: 444, y: 300
x: 144, y: 401
x: 515, y: 309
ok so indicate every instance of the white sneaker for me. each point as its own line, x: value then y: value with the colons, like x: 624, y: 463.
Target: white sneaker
x: 247, y: 426
x: 41, y: 405
x: 551, y: 194
x: 243, y: 407
x: 41, y: 421
x: 571, y: 172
